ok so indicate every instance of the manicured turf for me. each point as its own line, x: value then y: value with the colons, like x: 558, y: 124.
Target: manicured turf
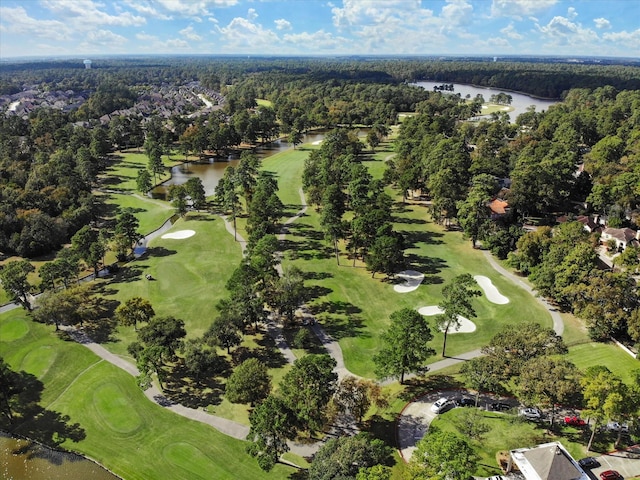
x: 606, y: 354
x: 150, y: 213
x: 189, y: 276
x: 123, y: 171
x: 124, y: 430
x: 507, y: 432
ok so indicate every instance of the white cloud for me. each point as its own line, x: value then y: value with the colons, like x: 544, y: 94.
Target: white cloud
x: 519, y: 8
x: 152, y: 43
x: 86, y: 13
x: 146, y: 9
x: 282, y: 24
x: 193, y: 8
x: 560, y: 31
x: 510, y: 32
x: 243, y: 35
x: 252, y: 14
x: 571, y: 13
x: 321, y: 41
x: 104, y: 38
x: 190, y: 34
x: 17, y: 21
x: 629, y: 40
x: 602, y: 23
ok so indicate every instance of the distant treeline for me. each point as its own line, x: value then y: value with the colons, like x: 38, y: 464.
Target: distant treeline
x: 545, y: 78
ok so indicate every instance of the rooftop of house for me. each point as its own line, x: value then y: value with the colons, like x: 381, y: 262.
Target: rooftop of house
x: 549, y: 461
x: 622, y: 234
x: 498, y: 206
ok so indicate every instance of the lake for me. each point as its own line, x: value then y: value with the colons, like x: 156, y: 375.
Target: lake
x: 520, y: 101
x: 210, y: 172
x: 22, y: 459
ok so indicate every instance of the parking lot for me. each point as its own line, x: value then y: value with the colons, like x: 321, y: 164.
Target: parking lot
x: 415, y: 418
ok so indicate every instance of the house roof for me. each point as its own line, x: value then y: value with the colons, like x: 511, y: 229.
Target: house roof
x: 622, y: 234
x: 549, y: 461
x: 499, y: 207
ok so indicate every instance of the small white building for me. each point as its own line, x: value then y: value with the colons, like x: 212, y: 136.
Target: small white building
x: 549, y: 461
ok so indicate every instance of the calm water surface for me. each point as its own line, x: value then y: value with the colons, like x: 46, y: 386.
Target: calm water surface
x: 210, y: 172
x: 520, y: 101
x: 24, y: 460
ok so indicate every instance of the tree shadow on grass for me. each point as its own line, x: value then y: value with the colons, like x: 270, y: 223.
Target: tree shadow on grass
x: 160, y: 252
x: 417, y: 386
x: 413, y: 238
x: 193, y: 392
x: 128, y: 274
x: 200, y: 217
x: 427, y: 266
x: 340, y: 319
x: 32, y: 420
x: 383, y: 429
x: 267, y: 353
x: 316, y: 291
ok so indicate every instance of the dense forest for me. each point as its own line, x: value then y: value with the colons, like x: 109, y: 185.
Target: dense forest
x: 533, y: 76
x: 582, y: 156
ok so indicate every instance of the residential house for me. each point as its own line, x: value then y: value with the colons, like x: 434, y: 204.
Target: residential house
x: 549, y: 461
x: 499, y: 208
x: 622, y: 237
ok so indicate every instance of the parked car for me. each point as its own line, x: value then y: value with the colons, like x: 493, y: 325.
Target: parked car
x: 500, y: 407
x: 615, y: 426
x: 442, y: 405
x: 588, y: 462
x: 531, y: 414
x: 611, y: 475
x: 574, y: 421
x: 465, y: 402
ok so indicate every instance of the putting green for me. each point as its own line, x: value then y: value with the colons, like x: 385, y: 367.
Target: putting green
x: 13, y: 330
x: 187, y: 457
x: 39, y: 360
x: 114, y: 409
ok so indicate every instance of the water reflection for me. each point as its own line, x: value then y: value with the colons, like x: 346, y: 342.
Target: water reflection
x: 520, y: 102
x: 25, y: 460
x: 212, y: 169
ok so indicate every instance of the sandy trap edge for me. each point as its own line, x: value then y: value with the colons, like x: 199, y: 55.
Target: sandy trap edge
x: 179, y: 235
x: 412, y: 280
x: 466, y: 325
x: 490, y: 290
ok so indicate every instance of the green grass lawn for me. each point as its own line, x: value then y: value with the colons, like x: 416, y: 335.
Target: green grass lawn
x: 189, y: 276
x: 121, y: 174
x: 508, y: 432
x: 606, y: 354
x: 124, y: 431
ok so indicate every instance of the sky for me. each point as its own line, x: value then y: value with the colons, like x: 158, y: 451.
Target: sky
x: 70, y: 28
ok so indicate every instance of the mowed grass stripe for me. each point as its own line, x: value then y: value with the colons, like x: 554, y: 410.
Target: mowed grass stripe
x: 132, y: 444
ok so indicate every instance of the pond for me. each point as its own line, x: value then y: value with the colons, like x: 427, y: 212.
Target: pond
x: 210, y: 172
x: 520, y: 102
x: 22, y: 459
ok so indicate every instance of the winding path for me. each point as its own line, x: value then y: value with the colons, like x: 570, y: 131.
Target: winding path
x: 407, y: 427
x: 558, y: 324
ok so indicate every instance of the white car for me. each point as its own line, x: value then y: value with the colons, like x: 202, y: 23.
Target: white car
x: 442, y: 404
x: 615, y: 426
x: 531, y: 414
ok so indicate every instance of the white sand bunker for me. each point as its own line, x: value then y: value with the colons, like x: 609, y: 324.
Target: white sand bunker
x: 466, y: 325
x: 490, y: 290
x: 317, y: 142
x: 412, y: 280
x: 179, y: 235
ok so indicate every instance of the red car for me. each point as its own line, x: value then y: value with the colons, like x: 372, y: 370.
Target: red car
x: 610, y: 475
x: 575, y: 421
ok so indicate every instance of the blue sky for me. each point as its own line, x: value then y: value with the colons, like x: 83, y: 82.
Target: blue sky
x: 305, y: 27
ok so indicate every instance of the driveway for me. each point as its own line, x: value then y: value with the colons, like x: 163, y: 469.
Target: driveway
x: 627, y: 462
x: 414, y: 420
